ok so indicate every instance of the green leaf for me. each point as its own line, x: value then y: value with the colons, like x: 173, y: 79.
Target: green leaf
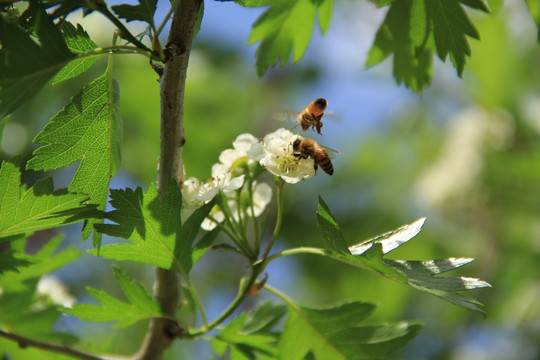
x: 204, y: 245
x: 251, y: 333
x: 368, y: 255
x: 392, y: 239
x: 332, y: 236
x: 140, y: 304
x: 476, y: 4
x: 421, y: 275
x: 27, y: 65
x: 324, y: 12
x: 285, y: 28
x: 12, y: 258
x: 334, y: 333
x: 413, y: 29
x: 143, y: 12
x: 450, y: 28
x: 37, y: 208
x: 534, y: 9
x: 86, y: 130
x: 407, y: 42
x: 43, y: 262
x: 20, y: 315
x: 153, y: 227
x: 78, y: 41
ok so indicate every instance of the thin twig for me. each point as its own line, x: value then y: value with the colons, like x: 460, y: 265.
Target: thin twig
x: 24, y: 341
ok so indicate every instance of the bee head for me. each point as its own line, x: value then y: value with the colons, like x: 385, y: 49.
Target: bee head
x: 296, y: 144
x: 321, y: 103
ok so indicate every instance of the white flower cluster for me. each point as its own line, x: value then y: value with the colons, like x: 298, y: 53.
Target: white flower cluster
x: 274, y: 152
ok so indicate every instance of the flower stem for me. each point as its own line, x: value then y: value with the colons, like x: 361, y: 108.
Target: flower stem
x: 279, y: 219
x: 257, y: 240
x: 242, y: 293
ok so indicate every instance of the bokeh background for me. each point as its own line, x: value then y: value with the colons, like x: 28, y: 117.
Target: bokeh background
x: 465, y: 153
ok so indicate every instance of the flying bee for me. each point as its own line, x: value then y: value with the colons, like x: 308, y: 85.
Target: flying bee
x: 312, y: 115
x: 306, y: 148
x: 309, y: 117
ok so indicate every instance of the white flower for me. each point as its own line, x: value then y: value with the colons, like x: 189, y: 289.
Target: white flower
x: 221, y: 180
x: 241, y: 146
x: 53, y: 288
x: 262, y: 194
x: 275, y: 153
x: 190, y: 197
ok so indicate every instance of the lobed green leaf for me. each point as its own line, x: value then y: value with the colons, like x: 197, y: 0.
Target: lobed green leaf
x: 421, y: 275
x: 332, y: 236
x: 86, y: 130
x: 144, y: 11
x: 335, y: 333
x: 78, y: 41
x: 286, y: 28
x: 141, y: 305
x: 21, y: 315
x: 43, y: 262
x: 154, y: 229
x: 37, y: 208
x: 26, y: 65
x: 250, y: 334
x: 413, y: 29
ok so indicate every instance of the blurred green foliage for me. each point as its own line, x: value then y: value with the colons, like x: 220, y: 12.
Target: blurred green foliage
x: 492, y: 217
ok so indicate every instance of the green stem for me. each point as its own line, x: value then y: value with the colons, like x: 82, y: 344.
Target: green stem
x: 279, y: 219
x: 244, y: 289
x: 257, y: 242
x: 246, y: 251
x: 126, y: 34
x: 165, y: 20
x: 117, y: 49
x: 279, y: 294
x: 295, y: 251
x: 197, y: 301
x: 237, y: 227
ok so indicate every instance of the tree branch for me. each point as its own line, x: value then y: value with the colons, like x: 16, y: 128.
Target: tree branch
x: 57, y: 348
x: 162, y: 332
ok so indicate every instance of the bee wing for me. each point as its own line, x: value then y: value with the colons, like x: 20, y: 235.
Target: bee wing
x: 286, y: 116
x: 331, y: 152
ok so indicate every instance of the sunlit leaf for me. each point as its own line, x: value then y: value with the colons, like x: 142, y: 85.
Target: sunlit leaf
x: 391, y: 239
x: 450, y: 28
x: 368, y: 255
x: 336, y: 333
x: 396, y: 36
x: 153, y: 227
x: 332, y: 236
x: 37, y: 208
x: 140, y: 304
x: 86, y: 130
x: 46, y: 260
x: 26, y: 65
x: 413, y: 29
x: 78, y: 41
x: 285, y: 28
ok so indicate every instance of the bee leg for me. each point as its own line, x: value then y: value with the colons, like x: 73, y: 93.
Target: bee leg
x: 315, y: 166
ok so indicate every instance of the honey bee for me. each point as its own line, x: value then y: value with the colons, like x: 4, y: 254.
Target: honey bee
x: 312, y: 115
x: 306, y: 148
